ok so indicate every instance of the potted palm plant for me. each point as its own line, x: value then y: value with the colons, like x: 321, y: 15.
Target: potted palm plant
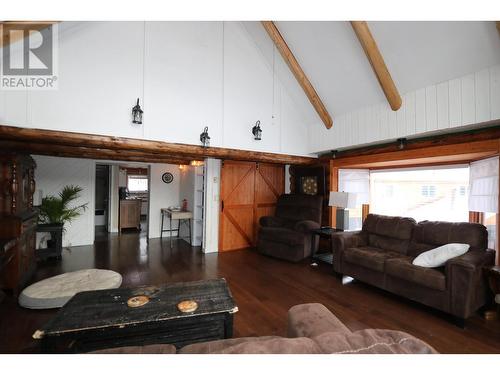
x: 54, y: 213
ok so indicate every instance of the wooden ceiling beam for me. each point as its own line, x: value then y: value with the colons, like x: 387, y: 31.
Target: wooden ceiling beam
x: 87, y: 153
x: 50, y: 138
x: 297, y: 71
x: 377, y: 62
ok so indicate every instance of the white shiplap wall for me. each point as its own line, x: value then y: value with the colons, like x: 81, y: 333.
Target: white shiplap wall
x: 465, y: 101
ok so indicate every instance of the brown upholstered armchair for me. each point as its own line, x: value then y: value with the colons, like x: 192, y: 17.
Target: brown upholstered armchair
x: 287, y: 235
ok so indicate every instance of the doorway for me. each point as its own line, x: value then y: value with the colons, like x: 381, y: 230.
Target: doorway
x: 102, y: 198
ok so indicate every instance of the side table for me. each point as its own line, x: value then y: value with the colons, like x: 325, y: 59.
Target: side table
x: 323, y: 232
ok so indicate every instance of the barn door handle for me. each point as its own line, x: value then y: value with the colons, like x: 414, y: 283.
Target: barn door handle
x: 222, y: 206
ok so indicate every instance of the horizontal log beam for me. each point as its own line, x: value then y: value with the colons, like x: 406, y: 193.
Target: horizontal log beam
x: 297, y: 71
x: 86, y: 153
x: 452, y: 153
x: 377, y: 62
x: 50, y: 138
x: 462, y: 137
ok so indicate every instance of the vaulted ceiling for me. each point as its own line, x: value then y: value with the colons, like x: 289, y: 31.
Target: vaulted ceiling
x: 417, y: 54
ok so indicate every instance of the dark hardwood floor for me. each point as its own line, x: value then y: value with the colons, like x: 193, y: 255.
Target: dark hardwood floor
x: 264, y: 289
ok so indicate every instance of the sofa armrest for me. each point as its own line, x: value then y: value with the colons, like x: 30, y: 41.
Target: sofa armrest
x: 342, y: 241
x: 271, y: 221
x: 306, y: 226
x: 312, y: 319
x: 466, y: 281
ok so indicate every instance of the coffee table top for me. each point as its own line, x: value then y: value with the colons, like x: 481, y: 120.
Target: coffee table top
x: 103, y: 309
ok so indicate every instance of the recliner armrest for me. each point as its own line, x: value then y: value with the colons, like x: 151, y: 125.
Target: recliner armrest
x: 305, y: 226
x: 466, y: 281
x: 312, y: 319
x: 345, y: 240
x: 271, y: 221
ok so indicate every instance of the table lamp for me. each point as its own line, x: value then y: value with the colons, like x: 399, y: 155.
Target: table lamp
x: 342, y: 200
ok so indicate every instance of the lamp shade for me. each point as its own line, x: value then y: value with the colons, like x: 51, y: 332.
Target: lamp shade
x: 342, y: 199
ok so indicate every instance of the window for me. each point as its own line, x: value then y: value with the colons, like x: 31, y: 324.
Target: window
x: 137, y: 183
x: 421, y: 193
x: 428, y: 191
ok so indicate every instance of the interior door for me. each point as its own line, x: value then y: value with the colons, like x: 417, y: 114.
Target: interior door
x: 237, y: 205
x: 249, y: 190
x: 269, y: 185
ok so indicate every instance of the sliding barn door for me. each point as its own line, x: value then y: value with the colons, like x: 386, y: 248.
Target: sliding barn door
x: 269, y: 185
x: 248, y: 191
x: 237, y: 205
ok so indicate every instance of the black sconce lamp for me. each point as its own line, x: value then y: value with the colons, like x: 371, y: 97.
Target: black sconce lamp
x: 334, y: 154
x: 257, y: 131
x: 204, y: 138
x: 401, y: 143
x: 137, y: 113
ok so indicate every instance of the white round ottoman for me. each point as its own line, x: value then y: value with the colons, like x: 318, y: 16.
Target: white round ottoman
x: 56, y: 291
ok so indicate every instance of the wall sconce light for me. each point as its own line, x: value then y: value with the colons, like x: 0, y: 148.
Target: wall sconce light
x: 204, y: 138
x: 181, y: 167
x: 402, y: 143
x: 137, y: 113
x: 196, y: 163
x: 334, y: 154
x: 257, y: 131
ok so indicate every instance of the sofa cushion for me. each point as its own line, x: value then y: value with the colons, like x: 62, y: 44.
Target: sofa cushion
x: 282, y: 235
x: 430, y: 234
x: 390, y: 226
x: 402, y: 268
x: 388, y: 243
x: 372, y: 341
x: 368, y: 257
x: 255, y: 345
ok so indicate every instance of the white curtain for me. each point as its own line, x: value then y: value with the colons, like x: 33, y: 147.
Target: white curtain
x: 356, y: 181
x: 483, y: 185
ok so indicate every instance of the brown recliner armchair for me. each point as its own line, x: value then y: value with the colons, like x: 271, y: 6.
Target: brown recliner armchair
x: 287, y: 235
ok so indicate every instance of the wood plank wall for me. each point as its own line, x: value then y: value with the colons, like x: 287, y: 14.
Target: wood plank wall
x: 467, y: 100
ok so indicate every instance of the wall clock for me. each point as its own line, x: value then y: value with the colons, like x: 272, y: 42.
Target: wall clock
x: 167, y: 177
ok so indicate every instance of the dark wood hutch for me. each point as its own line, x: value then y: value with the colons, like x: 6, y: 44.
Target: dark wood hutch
x: 18, y: 219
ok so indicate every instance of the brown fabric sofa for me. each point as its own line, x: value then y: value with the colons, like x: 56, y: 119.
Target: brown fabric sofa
x: 287, y: 234
x: 381, y: 254
x: 312, y: 329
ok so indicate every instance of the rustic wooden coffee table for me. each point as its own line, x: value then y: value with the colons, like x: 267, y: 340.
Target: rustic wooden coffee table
x: 106, y: 318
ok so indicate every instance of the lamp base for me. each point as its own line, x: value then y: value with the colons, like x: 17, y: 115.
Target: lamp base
x: 342, y: 219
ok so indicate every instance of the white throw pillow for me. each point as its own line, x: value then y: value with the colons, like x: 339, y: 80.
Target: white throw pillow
x: 440, y: 255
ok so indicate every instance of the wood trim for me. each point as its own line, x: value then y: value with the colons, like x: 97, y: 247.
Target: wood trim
x: 429, y: 155
x: 498, y: 26
x: 476, y: 217
x: 334, y: 186
x: 297, y: 71
x: 485, y: 133
x: 377, y: 62
x: 365, y: 210
x: 125, y: 146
